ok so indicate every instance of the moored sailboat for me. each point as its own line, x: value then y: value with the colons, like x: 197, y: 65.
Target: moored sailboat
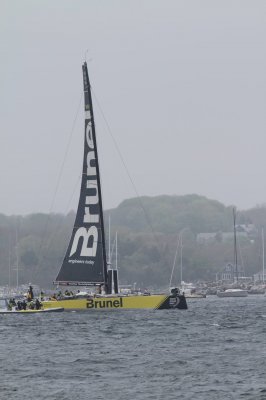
x: 233, y: 293
x: 236, y: 291
x: 85, y: 262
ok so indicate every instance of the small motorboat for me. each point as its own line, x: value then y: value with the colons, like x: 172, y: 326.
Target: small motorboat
x: 29, y: 311
x: 233, y: 293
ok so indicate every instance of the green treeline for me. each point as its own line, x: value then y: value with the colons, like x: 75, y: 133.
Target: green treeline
x: 148, y: 230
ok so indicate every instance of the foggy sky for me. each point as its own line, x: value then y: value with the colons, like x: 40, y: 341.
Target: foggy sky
x: 182, y: 85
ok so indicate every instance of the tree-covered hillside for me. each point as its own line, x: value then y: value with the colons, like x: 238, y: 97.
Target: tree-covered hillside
x: 170, y: 214
x: 148, y: 230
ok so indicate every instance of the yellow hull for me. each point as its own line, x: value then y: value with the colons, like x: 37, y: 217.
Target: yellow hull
x: 159, y: 301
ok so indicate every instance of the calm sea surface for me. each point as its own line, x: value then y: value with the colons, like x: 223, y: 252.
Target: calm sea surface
x: 215, y: 350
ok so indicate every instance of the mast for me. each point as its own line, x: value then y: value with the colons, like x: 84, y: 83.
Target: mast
x: 116, y: 250
x: 235, y: 244
x: 263, y: 263
x: 109, y: 263
x: 115, y: 271
x: 89, y: 118
x: 17, y: 261
x: 85, y: 260
x: 181, y: 257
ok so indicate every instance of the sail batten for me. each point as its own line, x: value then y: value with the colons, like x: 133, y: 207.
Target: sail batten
x: 85, y: 260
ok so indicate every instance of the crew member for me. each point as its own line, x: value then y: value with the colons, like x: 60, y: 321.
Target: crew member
x: 30, y: 294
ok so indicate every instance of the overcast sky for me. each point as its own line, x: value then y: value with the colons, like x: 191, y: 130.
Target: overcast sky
x: 181, y: 83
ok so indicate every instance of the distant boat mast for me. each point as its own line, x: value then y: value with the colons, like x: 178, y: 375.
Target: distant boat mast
x: 235, y: 244
x: 181, y: 257
x: 263, y: 263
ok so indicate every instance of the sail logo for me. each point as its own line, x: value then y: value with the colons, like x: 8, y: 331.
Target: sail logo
x: 92, y: 303
x: 89, y: 236
x: 173, y: 302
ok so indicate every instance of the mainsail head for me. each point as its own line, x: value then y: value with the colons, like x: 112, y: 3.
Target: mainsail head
x: 85, y: 259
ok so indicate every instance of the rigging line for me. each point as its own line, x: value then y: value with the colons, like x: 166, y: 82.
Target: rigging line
x: 73, y: 193
x: 67, y: 208
x: 59, y: 224
x: 65, y: 212
x: 177, y: 247
x: 65, y: 155
x: 59, y: 179
x: 124, y: 164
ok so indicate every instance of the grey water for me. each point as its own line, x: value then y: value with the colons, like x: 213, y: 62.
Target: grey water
x: 214, y: 350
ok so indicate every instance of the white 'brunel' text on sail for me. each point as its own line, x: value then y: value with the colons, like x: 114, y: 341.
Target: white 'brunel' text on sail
x: 92, y: 199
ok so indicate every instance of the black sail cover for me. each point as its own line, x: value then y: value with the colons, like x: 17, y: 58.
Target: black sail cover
x: 85, y: 259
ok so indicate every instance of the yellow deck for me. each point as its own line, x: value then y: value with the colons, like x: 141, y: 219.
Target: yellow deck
x: 114, y: 302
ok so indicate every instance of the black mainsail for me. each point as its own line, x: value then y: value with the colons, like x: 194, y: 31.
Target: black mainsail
x: 85, y: 259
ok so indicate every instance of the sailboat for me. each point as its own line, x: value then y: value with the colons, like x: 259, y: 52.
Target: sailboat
x: 188, y: 289
x: 260, y: 289
x: 85, y: 262
x: 234, y: 292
